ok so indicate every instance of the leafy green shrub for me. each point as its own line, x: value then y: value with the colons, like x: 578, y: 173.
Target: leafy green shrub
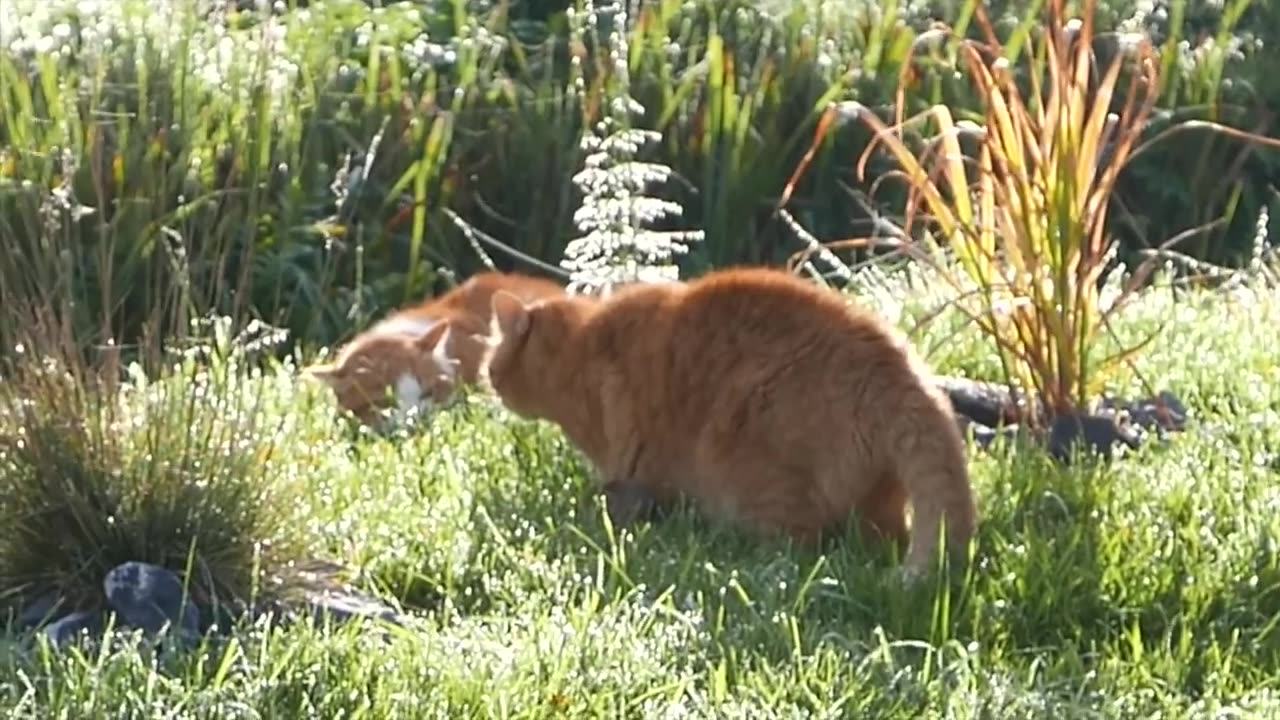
x: 317, y: 166
x: 150, y: 155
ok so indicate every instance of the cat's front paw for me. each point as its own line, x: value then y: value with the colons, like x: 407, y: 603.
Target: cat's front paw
x: 629, y: 504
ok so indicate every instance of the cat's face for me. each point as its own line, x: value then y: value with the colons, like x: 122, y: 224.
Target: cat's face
x: 527, y: 342
x: 383, y: 370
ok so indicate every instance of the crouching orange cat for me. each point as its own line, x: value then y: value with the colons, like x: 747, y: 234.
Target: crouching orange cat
x: 412, y: 358
x: 762, y: 397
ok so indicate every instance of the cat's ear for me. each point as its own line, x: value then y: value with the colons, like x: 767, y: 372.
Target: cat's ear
x: 437, y: 335
x: 437, y: 342
x: 327, y: 373
x: 510, y: 314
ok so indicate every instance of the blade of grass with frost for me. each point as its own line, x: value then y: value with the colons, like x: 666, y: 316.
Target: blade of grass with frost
x: 1022, y: 34
x: 742, y: 181
x: 1169, y: 80
x: 719, y: 116
x: 395, y: 81
x: 762, y: 76
x: 18, y: 112
x: 434, y: 154
x: 373, y: 72
x: 653, y: 22
x: 874, y: 52
x: 1231, y: 16
x: 691, y: 79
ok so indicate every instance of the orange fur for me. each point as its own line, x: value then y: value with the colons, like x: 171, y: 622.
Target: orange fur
x: 762, y: 397
x: 423, y: 353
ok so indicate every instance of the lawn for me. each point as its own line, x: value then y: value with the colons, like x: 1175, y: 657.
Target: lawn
x: 1148, y: 587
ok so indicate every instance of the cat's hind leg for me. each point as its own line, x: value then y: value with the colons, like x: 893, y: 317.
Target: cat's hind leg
x: 882, y: 513
x: 771, y: 497
x: 933, y: 465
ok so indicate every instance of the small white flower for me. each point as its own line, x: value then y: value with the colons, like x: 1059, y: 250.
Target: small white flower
x: 616, y: 246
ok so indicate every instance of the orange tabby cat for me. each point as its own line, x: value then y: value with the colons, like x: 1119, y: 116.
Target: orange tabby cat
x: 761, y: 396
x: 415, y: 356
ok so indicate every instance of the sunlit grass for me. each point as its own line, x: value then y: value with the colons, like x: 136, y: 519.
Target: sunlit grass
x: 1150, y: 585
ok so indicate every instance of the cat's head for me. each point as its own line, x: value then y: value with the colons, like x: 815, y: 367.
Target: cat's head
x: 528, y: 344
x: 383, y: 370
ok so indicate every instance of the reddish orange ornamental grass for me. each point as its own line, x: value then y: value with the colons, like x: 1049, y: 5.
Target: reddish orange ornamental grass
x: 1022, y: 217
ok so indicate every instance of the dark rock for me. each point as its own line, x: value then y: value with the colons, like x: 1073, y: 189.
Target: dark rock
x: 1097, y: 433
x: 985, y: 403
x: 985, y: 436
x: 149, y: 597
x: 1172, y: 403
x: 73, y: 626
x: 316, y: 590
x: 45, y: 608
x: 347, y: 605
x: 1163, y: 413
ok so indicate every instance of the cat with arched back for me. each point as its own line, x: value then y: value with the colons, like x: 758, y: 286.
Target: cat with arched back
x: 761, y: 397
x: 419, y: 356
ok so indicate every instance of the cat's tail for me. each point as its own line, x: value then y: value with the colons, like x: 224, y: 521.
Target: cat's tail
x: 932, y: 464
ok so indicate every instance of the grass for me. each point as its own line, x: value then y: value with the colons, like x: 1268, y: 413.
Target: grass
x: 1149, y: 587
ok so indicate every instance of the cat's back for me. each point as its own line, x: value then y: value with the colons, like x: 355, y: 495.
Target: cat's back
x: 471, y: 301
x: 742, y: 323
x: 773, y: 308
x: 476, y: 294
x: 634, y: 319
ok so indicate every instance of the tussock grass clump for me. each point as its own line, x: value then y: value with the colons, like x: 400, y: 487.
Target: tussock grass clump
x: 177, y: 471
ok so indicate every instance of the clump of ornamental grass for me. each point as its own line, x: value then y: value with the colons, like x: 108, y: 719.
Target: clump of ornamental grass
x: 1017, y: 227
x: 177, y: 470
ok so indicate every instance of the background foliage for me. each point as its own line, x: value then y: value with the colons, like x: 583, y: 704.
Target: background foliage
x: 315, y: 164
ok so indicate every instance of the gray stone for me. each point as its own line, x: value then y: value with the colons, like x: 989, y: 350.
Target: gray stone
x: 985, y: 436
x: 1163, y: 413
x: 985, y: 403
x: 347, y: 606
x: 1099, y: 434
x: 73, y: 626
x: 149, y: 597
x: 315, y: 591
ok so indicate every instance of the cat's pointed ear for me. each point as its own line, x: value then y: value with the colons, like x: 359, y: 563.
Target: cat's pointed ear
x: 510, y: 314
x: 437, y: 335
x: 438, y: 343
x: 327, y: 373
